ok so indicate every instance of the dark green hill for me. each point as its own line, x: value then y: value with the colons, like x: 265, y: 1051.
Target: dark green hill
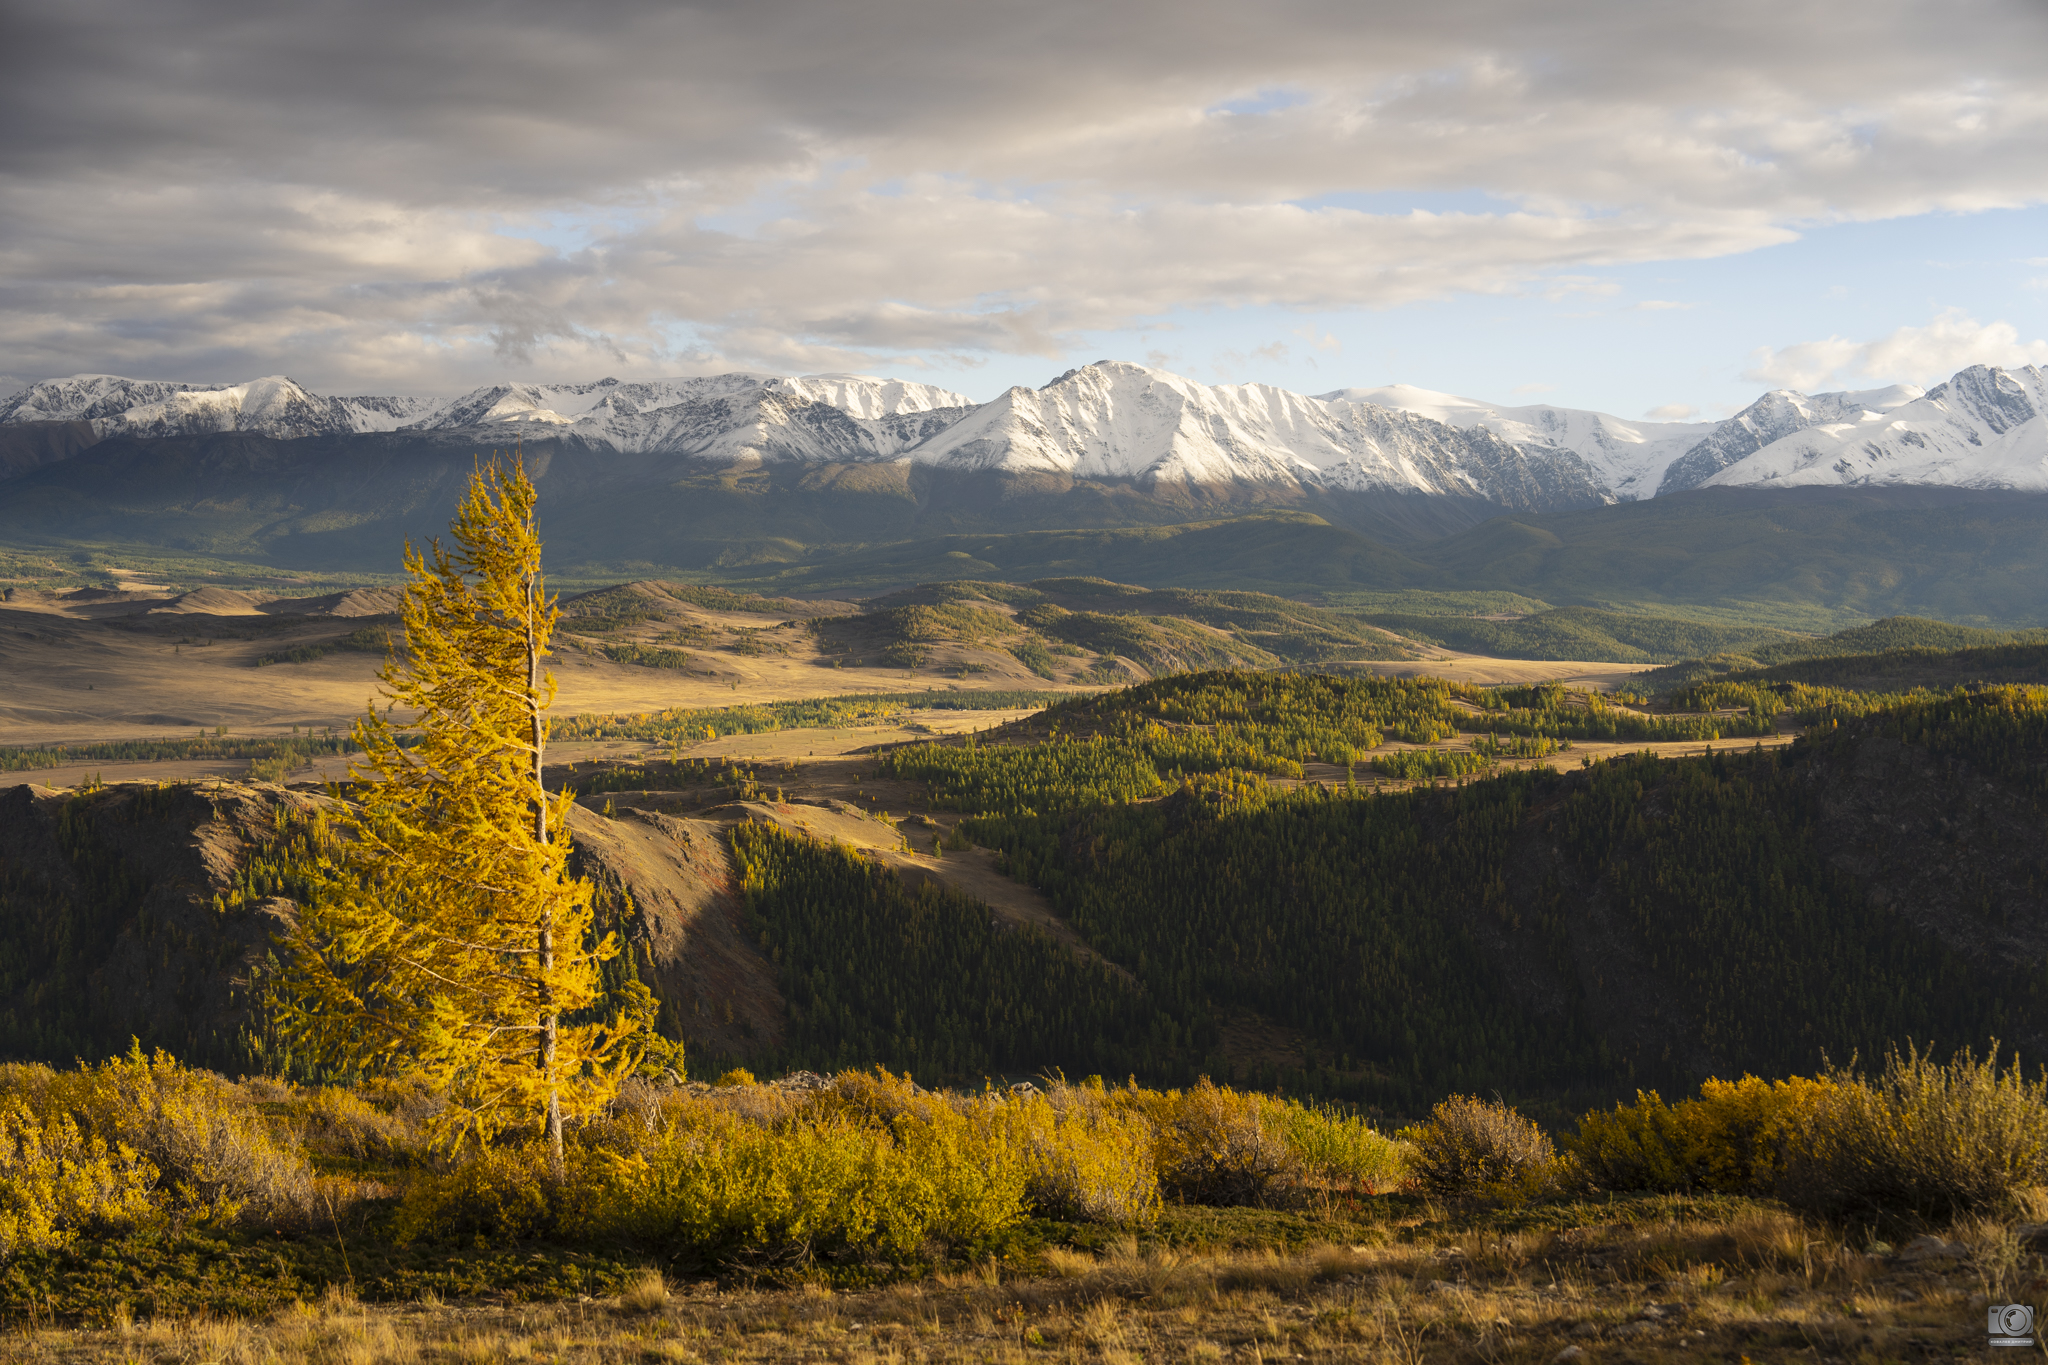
x: 1894, y: 654
x: 1275, y: 551
x: 1556, y: 936
x: 1645, y: 922
x: 1966, y: 555
x: 1584, y: 633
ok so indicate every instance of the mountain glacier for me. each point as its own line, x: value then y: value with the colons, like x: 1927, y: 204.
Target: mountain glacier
x: 1627, y: 458
x: 1118, y: 421
x: 1984, y: 428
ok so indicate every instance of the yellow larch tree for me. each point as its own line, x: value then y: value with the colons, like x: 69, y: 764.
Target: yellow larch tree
x: 444, y: 935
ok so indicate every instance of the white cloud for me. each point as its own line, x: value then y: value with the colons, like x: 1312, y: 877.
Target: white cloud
x: 1913, y: 355
x: 1326, y: 342
x: 376, y: 193
x: 1673, y: 412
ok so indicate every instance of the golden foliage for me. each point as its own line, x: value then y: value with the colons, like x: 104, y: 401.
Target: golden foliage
x: 444, y: 933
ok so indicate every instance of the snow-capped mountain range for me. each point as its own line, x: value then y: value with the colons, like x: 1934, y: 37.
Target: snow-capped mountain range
x: 1112, y: 420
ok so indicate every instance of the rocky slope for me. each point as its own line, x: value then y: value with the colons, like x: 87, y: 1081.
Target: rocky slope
x: 144, y: 911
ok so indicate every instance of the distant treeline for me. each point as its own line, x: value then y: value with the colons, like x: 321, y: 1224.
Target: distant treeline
x: 366, y: 640
x: 684, y: 725
x: 1138, y: 742
x: 156, y: 750
x: 1691, y: 649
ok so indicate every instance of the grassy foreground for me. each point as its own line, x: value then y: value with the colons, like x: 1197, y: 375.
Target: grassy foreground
x: 1645, y: 1278
x: 151, y: 1212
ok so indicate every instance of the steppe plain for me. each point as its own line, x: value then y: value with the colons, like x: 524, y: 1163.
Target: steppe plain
x: 92, y: 666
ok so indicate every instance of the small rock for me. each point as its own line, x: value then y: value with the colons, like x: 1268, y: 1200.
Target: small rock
x: 1906, y: 1296
x: 1586, y: 1329
x: 1932, y: 1248
x: 1441, y: 1286
x: 1568, y: 1353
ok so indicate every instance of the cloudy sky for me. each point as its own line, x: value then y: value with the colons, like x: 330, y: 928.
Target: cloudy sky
x: 1652, y: 208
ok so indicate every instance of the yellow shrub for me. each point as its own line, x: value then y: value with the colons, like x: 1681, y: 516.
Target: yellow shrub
x: 874, y: 1097
x: 214, y: 1154
x: 717, y: 1183
x: 963, y: 1173
x: 499, y: 1194
x: 341, y: 1123
x: 1218, y: 1146
x: 1733, y: 1138
x: 1635, y: 1147
x: 56, y: 1181
x: 1926, y: 1138
x: 1086, y: 1159
x: 868, y: 1163
x: 1744, y: 1128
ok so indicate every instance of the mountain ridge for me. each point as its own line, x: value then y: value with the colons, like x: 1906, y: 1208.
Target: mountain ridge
x: 1983, y: 428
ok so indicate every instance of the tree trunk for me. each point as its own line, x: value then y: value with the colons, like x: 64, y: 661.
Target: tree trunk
x: 549, y: 1020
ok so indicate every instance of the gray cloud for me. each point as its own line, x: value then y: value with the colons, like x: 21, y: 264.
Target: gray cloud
x: 357, y: 191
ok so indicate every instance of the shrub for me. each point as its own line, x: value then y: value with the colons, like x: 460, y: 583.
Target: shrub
x: 1732, y: 1139
x: 1643, y: 1146
x: 499, y: 1194
x: 1341, y: 1150
x: 340, y: 1123
x: 1926, y: 1138
x: 1218, y: 1146
x: 712, y: 1182
x: 56, y: 1181
x: 216, y: 1156
x: 1085, y: 1158
x: 1474, y: 1146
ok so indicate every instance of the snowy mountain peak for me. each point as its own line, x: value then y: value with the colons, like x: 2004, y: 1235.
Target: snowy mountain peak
x: 1984, y: 428
x: 1772, y: 418
x: 1112, y: 419
x: 1627, y: 458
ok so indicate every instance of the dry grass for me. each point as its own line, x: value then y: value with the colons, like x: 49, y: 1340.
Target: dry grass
x: 1764, y: 1286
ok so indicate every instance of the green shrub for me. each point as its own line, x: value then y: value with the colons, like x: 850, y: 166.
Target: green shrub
x: 1474, y: 1146
x: 1923, y: 1138
x: 1340, y: 1150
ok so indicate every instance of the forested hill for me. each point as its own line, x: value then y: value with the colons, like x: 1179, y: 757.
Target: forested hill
x: 1642, y: 921
x: 1224, y: 856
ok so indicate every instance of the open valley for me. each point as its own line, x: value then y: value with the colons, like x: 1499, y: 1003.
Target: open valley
x: 934, y: 684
